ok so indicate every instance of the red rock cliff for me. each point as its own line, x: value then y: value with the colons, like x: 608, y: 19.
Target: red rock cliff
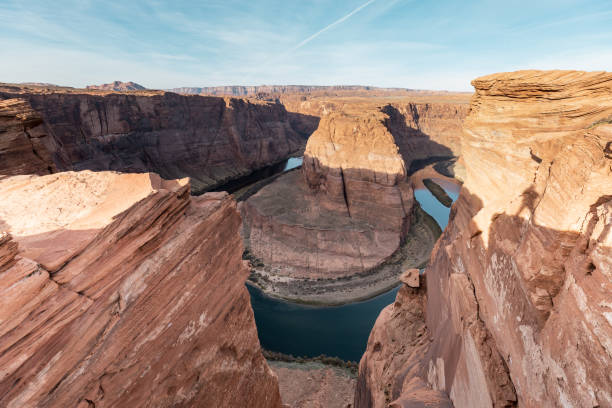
x: 209, y: 139
x: 345, y: 213
x: 518, y: 290
x: 123, y: 290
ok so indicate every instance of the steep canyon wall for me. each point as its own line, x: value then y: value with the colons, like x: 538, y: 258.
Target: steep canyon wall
x: 518, y: 290
x: 211, y: 140
x: 123, y: 290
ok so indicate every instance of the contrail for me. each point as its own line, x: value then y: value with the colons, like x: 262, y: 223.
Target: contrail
x: 335, y: 23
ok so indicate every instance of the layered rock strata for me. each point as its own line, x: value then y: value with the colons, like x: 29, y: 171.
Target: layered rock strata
x: 211, y: 140
x: 345, y: 213
x: 424, y: 129
x: 123, y: 290
x: 25, y: 147
x: 518, y: 289
x: 392, y: 372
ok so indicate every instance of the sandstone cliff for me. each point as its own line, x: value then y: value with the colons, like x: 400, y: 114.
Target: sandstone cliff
x: 351, y: 210
x: 424, y: 127
x: 345, y: 213
x: 211, y: 140
x: 426, y: 130
x: 25, y: 147
x: 518, y: 290
x: 124, y: 291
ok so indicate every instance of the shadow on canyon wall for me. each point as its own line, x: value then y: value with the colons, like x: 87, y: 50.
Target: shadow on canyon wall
x: 516, y: 300
x: 209, y: 139
x: 417, y: 148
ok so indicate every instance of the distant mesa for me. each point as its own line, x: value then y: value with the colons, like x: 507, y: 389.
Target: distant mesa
x: 237, y: 90
x: 43, y: 84
x: 118, y: 86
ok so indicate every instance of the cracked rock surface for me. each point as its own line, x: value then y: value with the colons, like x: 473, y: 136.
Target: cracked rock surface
x: 123, y: 290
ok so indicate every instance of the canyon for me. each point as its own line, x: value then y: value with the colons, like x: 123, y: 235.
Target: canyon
x: 122, y: 281
x: 208, y: 139
x: 517, y: 307
x: 350, y: 209
x: 124, y: 291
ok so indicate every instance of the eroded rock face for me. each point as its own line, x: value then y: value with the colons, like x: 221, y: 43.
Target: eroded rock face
x: 426, y: 130
x: 518, y: 290
x: 25, y: 147
x: 345, y: 213
x: 124, y: 290
x: 392, y: 372
x: 422, y: 129
x: 209, y: 139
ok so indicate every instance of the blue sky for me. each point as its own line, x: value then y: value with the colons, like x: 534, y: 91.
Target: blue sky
x: 422, y: 44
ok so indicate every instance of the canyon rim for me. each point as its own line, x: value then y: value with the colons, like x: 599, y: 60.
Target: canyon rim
x: 330, y: 204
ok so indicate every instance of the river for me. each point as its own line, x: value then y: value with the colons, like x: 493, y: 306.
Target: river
x: 338, y: 331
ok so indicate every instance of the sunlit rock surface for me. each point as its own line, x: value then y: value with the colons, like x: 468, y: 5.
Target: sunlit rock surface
x: 518, y: 291
x: 123, y: 290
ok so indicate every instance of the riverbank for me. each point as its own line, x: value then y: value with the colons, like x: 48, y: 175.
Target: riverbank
x: 313, y: 384
x: 413, y: 253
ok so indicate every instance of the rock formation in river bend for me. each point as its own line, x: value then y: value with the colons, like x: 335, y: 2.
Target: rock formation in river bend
x: 345, y: 213
x: 518, y: 290
x: 123, y: 290
x: 209, y: 139
x: 422, y: 129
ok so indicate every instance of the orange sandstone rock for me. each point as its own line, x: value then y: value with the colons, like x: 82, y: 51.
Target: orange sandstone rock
x: 209, y: 139
x: 122, y: 290
x: 348, y: 210
x: 411, y: 278
x: 518, y: 289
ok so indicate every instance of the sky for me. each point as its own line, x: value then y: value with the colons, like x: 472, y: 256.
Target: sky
x: 419, y: 44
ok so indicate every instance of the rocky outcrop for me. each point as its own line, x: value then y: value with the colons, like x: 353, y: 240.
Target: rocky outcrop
x: 518, y: 302
x: 118, y: 86
x: 25, y: 147
x: 425, y: 128
x: 392, y: 371
x: 211, y: 140
x: 314, y: 385
x: 344, y: 214
x: 124, y: 291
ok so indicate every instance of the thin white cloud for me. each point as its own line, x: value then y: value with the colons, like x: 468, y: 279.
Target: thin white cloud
x: 332, y: 25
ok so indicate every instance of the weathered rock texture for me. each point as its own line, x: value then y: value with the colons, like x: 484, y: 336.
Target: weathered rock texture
x: 423, y: 127
x: 25, y: 147
x: 393, y: 372
x: 352, y: 208
x: 345, y: 213
x: 518, y: 290
x: 124, y: 291
x: 314, y: 385
x: 424, y: 131
x: 209, y: 139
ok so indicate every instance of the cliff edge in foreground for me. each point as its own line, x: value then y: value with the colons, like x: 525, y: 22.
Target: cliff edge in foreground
x: 122, y: 290
x: 518, y: 290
